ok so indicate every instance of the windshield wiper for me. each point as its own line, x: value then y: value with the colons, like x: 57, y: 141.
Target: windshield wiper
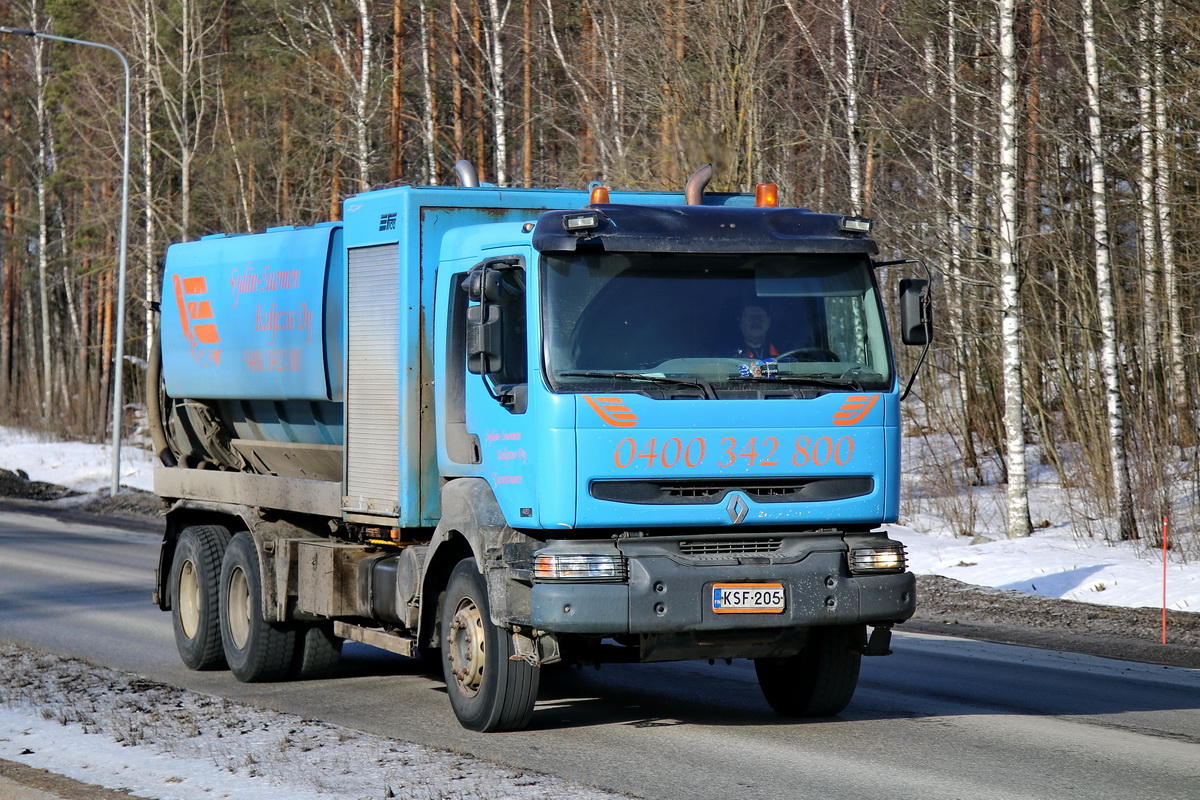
x: 703, y: 385
x: 840, y: 382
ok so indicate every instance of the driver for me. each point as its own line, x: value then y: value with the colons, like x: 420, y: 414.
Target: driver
x: 754, y: 324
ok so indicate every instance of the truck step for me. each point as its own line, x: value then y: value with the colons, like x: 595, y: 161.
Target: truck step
x: 401, y: 643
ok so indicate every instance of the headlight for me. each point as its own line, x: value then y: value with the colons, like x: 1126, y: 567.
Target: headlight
x: 878, y: 559
x: 597, y: 568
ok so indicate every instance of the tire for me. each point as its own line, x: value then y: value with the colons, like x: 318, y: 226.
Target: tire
x: 488, y: 692
x: 819, y: 681
x: 194, y: 586
x: 255, y: 650
x: 317, y: 652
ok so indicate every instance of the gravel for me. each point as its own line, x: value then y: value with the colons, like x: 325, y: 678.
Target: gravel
x: 953, y: 608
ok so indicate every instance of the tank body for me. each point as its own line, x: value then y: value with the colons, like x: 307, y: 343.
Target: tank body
x: 252, y: 333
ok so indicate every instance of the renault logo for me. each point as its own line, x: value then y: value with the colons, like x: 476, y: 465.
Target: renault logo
x: 737, y: 509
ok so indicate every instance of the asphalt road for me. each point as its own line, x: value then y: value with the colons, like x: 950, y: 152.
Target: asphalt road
x: 942, y: 718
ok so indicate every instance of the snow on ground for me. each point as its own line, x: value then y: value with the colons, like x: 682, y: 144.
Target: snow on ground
x: 1062, y: 560
x: 106, y: 728
x: 76, y: 465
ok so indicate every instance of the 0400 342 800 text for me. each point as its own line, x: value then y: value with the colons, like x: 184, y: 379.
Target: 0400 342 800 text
x: 728, y: 451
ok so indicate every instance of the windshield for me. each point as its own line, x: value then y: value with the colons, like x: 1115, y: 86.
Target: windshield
x: 712, y: 325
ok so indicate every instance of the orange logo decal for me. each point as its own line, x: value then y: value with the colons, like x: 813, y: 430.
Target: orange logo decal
x: 194, y: 315
x: 856, y: 407
x: 613, y: 411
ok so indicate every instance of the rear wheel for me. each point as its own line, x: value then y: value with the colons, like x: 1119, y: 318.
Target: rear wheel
x: 256, y: 650
x: 317, y: 652
x: 819, y: 681
x: 195, y: 588
x: 488, y: 691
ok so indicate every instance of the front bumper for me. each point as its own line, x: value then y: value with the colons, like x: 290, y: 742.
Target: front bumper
x: 666, y: 595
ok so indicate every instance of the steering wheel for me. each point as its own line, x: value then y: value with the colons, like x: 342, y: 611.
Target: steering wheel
x: 809, y: 354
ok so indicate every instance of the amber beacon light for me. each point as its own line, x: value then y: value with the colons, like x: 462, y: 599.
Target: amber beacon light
x: 766, y: 195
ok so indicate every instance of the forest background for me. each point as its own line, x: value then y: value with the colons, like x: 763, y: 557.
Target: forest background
x: 1041, y: 155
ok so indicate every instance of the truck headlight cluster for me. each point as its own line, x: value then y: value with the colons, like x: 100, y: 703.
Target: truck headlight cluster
x: 593, y: 568
x: 889, y: 558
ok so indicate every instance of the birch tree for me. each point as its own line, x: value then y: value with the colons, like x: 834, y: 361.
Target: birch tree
x: 1163, y: 156
x: 182, y: 74
x: 43, y: 167
x: 853, y: 156
x: 1147, y: 213
x: 1109, y: 357
x: 497, y: 17
x: 1010, y: 280
x: 345, y: 36
x: 429, y: 120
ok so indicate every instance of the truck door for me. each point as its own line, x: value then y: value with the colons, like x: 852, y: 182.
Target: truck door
x: 497, y: 380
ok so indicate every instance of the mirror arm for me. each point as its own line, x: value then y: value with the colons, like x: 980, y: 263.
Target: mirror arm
x: 916, y: 369
x: 927, y: 300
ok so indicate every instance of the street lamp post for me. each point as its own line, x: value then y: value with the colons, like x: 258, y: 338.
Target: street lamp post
x: 119, y: 371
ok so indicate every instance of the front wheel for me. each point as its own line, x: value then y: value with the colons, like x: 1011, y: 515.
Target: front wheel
x: 820, y: 680
x: 488, y: 691
x: 256, y: 650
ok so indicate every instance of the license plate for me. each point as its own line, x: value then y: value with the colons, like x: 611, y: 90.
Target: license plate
x: 748, y: 598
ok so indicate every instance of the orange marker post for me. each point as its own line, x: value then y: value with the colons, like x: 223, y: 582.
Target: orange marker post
x: 1164, y: 602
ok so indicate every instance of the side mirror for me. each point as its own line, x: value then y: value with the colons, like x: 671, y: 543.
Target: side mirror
x: 916, y: 312
x: 485, y: 339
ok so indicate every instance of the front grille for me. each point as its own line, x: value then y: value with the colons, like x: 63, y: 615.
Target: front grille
x: 759, y: 490
x: 690, y: 491
x: 729, y: 547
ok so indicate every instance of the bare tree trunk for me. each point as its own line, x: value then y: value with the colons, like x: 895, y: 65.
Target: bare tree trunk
x: 396, y: 165
x: 1110, y: 359
x: 86, y: 395
x: 149, y: 233
x: 43, y: 171
x: 7, y: 307
x: 7, y: 250
x: 456, y: 81
x: 1009, y: 268
x: 245, y: 187
x: 285, y: 154
x: 957, y: 285
x: 335, y: 180
x: 106, y: 347
x: 477, y: 95
x: 527, y: 94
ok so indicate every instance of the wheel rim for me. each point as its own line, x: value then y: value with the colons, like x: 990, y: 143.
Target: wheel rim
x: 238, y: 612
x: 189, y: 599
x: 466, y: 647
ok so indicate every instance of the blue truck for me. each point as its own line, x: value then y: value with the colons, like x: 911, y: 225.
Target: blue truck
x: 508, y: 428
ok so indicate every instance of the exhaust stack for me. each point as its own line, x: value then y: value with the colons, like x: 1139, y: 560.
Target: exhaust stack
x: 694, y: 191
x: 467, y: 176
